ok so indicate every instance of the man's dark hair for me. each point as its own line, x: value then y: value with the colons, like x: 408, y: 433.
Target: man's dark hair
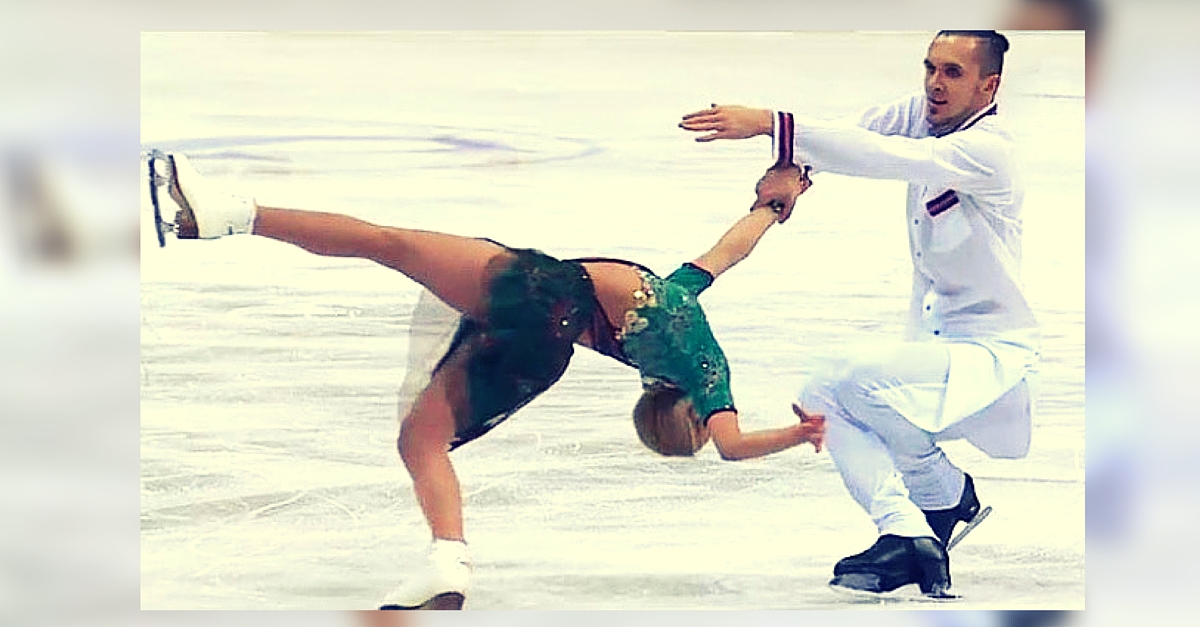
x: 994, y: 45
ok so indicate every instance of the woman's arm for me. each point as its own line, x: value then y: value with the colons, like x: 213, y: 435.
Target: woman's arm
x: 734, y: 444
x: 736, y: 244
x: 777, y: 191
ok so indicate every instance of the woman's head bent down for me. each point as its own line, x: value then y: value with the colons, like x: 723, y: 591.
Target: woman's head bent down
x: 667, y: 423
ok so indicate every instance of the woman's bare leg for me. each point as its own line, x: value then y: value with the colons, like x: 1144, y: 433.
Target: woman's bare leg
x: 424, y: 446
x: 451, y: 266
x: 426, y: 434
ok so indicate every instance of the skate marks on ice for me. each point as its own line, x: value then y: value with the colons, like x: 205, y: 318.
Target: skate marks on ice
x: 409, y: 148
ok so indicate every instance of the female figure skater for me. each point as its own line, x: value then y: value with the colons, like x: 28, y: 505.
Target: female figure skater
x: 520, y: 313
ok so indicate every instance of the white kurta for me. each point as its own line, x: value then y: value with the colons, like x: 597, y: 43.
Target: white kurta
x: 964, y: 226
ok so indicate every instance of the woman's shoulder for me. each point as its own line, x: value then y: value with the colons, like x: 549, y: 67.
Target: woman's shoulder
x: 613, y: 261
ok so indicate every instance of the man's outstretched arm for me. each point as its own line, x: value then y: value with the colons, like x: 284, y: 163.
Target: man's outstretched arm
x: 729, y: 122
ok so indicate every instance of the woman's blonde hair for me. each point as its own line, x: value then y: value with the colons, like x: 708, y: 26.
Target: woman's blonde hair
x: 666, y: 422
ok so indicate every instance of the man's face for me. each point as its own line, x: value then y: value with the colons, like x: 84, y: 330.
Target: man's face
x: 954, y: 86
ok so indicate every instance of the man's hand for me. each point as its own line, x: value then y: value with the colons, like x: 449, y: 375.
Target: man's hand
x: 729, y: 122
x: 780, y: 187
x: 812, y: 427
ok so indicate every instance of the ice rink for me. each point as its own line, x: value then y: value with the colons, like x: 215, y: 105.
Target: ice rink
x: 269, y: 477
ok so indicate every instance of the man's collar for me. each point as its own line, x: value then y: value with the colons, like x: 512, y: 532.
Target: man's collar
x: 991, y: 109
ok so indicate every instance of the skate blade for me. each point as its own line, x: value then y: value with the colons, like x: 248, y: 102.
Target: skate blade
x: 162, y: 174
x: 444, y: 601
x: 983, y: 513
x: 158, y: 176
x: 938, y: 597
x: 860, y: 587
x: 863, y: 588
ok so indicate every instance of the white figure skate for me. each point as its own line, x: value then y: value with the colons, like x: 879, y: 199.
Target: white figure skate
x: 442, y: 585
x: 205, y: 210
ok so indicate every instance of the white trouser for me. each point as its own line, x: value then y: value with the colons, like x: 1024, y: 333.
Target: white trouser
x: 891, y: 467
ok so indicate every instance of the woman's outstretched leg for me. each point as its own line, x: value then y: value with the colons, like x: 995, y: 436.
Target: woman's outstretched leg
x: 450, y: 266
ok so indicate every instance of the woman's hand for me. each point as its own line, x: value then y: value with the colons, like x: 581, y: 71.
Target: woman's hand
x: 811, y: 427
x: 729, y: 122
x: 780, y: 187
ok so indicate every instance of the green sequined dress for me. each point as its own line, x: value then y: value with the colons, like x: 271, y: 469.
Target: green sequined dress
x: 668, y: 338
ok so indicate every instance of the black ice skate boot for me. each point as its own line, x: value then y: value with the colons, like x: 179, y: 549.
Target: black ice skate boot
x: 943, y: 521
x: 893, y: 562
x: 885, y: 550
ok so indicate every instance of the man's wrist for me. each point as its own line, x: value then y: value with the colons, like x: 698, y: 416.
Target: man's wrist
x: 767, y: 123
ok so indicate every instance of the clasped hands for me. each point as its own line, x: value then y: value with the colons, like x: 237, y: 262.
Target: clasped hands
x: 783, y: 182
x: 779, y: 188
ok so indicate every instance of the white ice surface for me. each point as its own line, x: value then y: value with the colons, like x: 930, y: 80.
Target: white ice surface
x: 269, y: 475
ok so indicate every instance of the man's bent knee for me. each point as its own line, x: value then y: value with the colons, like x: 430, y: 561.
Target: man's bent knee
x: 819, y: 393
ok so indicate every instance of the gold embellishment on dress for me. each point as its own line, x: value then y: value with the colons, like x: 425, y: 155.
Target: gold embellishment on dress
x: 633, y: 324
x: 644, y: 297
